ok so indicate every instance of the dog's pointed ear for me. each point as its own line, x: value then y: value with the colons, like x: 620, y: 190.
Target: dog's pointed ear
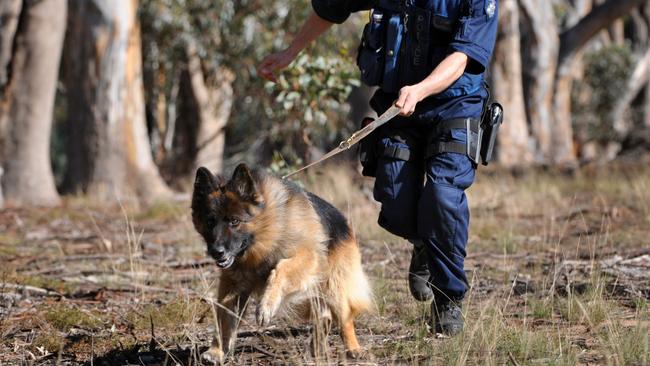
x: 243, y: 184
x: 205, y: 182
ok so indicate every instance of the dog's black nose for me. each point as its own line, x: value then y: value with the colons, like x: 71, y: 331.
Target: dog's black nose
x: 217, y: 251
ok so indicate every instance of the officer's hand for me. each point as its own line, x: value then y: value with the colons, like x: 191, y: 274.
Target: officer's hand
x: 409, y: 96
x: 273, y: 63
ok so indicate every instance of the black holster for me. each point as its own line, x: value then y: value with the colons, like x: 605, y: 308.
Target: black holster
x: 492, y: 119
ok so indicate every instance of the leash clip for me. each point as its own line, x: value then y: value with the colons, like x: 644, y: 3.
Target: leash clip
x: 346, y: 144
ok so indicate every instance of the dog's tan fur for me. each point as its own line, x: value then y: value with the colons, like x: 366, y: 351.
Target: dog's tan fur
x: 303, y: 270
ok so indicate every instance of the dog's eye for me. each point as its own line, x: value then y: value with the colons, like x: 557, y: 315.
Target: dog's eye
x: 212, y: 222
x: 233, y: 222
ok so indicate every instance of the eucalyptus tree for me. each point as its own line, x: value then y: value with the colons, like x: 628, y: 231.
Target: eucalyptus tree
x: 31, y: 39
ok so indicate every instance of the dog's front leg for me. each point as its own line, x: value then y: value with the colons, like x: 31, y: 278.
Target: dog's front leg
x: 290, y: 275
x: 230, y: 308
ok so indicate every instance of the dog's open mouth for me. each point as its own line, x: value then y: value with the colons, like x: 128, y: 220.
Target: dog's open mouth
x: 225, y: 262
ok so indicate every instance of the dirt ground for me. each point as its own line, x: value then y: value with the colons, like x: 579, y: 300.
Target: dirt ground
x: 559, y: 268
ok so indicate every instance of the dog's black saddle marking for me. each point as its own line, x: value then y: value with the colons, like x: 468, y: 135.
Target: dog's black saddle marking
x: 335, y: 224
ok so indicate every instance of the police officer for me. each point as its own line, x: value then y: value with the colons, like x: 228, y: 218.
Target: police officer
x: 428, y: 57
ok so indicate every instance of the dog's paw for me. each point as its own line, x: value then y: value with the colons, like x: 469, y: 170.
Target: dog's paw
x: 355, y: 354
x: 264, y: 313
x: 214, y: 356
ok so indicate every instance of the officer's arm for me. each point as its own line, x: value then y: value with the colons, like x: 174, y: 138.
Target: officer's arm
x: 469, y: 51
x: 445, y: 74
x: 324, y: 14
x: 441, y: 78
x: 314, y: 26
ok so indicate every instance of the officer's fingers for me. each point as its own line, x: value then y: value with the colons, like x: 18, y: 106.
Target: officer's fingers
x: 401, y: 99
x: 409, y: 105
x: 265, y: 69
x: 267, y: 74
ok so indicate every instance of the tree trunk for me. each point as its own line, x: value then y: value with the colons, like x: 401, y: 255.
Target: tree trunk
x: 540, y: 57
x: 214, y: 103
x: 563, y: 152
x: 617, y: 32
x: 571, y: 42
x: 9, y: 15
x: 646, y: 109
x: 638, y: 80
x: 514, y: 147
x: 109, y: 150
x: 640, y: 30
x: 28, y: 85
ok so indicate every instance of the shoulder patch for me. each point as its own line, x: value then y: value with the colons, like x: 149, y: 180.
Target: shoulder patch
x: 490, y: 8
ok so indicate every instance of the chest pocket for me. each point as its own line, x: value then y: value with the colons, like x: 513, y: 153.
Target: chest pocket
x: 402, y: 46
x: 430, y: 28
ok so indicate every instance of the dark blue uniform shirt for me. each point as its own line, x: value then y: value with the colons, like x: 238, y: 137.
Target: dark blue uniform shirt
x: 473, y: 34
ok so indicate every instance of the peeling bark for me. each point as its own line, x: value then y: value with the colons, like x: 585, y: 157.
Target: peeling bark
x: 9, y: 14
x: 571, y: 42
x: 213, y: 103
x: 646, y: 110
x: 110, y: 154
x: 28, y: 88
x: 638, y: 80
x: 540, y: 59
x: 514, y: 148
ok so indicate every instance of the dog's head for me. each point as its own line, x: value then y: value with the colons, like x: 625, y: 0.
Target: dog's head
x: 222, y: 212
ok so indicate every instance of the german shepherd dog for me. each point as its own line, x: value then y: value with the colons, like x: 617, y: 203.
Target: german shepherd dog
x: 283, y: 246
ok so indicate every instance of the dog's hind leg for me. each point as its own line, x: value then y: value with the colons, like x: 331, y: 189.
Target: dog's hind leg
x: 350, y: 289
x: 229, y: 310
x: 346, y: 321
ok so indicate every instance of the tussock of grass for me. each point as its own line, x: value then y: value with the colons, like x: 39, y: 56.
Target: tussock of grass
x: 627, y: 345
x: 50, y: 341
x: 64, y: 317
x: 640, y: 304
x: 541, y: 309
x: 172, y: 316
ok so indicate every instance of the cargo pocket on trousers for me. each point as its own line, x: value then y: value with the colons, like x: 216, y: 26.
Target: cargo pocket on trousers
x: 387, y: 170
x: 438, y: 214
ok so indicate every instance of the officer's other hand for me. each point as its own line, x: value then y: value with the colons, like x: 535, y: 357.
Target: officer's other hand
x: 409, y: 96
x: 275, y: 62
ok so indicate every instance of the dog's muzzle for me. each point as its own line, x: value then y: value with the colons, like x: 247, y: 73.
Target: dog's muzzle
x: 223, y: 259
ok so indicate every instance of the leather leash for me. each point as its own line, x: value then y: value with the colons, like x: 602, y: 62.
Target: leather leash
x: 355, y: 138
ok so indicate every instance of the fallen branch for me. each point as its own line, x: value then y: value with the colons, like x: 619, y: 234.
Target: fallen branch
x: 30, y: 289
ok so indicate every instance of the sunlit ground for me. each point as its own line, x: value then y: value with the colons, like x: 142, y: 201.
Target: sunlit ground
x: 559, y: 267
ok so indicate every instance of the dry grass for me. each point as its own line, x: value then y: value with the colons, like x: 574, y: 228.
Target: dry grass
x: 139, y: 304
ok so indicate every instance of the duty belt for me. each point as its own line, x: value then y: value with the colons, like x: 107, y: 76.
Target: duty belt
x: 436, y: 147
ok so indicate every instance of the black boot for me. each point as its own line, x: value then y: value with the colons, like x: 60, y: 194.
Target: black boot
x: 447, y: 317
x: 419, y: 274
